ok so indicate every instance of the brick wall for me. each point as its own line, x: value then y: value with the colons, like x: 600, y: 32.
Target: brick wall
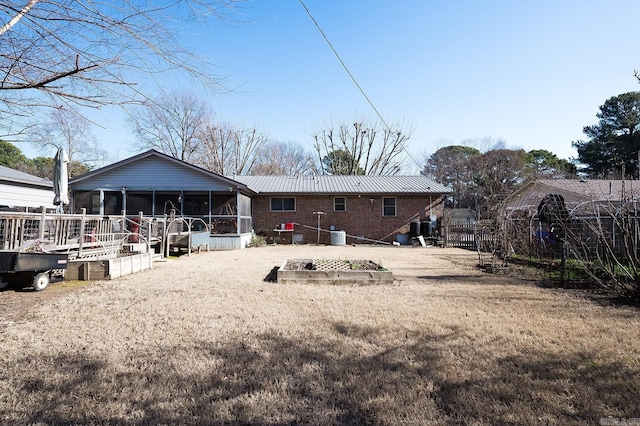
x: 363, y: 216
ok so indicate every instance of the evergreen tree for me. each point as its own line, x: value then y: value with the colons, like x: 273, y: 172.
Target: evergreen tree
x: 613, y: 144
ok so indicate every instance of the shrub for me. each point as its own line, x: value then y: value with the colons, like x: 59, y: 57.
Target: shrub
x: 257, y: 241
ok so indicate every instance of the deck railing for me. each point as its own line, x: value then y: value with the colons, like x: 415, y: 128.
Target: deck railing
x: 85, y: 235
x: 59, y: 232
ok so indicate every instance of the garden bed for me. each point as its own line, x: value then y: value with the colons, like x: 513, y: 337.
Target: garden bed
x: 333, y: 271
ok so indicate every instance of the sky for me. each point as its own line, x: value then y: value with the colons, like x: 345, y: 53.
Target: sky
x: 531, y: 73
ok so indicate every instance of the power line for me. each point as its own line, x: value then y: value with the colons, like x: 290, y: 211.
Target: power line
x: 335, y: 52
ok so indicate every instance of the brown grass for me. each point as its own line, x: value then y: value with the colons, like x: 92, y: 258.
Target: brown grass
x: 204, y: 340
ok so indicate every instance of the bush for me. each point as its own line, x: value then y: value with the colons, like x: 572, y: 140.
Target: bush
x: 257, y: 241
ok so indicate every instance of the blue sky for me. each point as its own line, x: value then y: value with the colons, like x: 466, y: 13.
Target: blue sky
x: 531, y: 73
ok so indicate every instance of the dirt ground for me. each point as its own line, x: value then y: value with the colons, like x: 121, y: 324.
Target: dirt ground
x: 16, y: 302
x: 208, y: 339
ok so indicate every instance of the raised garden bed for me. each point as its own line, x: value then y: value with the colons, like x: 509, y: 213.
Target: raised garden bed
x: 332, y: 271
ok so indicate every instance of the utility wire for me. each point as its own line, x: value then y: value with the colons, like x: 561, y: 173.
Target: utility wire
x: 335, y: 52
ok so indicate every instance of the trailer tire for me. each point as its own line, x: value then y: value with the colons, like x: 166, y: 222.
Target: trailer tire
x: 41, y: 281
x: 3, y: 284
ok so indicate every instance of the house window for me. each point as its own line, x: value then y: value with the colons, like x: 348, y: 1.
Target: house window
x: 283, y: 204
x: 389, y: 206
x: 339, y: 204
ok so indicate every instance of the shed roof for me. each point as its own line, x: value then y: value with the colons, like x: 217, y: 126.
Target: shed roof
x: 343, y: 184
x: 15, y: 176
x: 577, y: 194
x: 575, y: 190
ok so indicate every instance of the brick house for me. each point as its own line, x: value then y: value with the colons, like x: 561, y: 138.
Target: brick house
x: 367, y: 208
x: 364, y: 207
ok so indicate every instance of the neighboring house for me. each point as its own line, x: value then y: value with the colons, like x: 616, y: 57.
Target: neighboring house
x: 24, y: 192
x: 459, y: 216
x: 159, y: 185
x: 582, y: 213
x: 579, y: 195
x: 366, y: 208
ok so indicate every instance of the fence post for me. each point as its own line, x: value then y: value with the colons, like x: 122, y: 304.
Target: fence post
x: 189, y: 224
x: 82, y: 223
x: 446, y: 235
x: 563, y: 264
x: 42, y: 221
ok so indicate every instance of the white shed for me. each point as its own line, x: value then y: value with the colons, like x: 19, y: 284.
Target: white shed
x: 21, y: 191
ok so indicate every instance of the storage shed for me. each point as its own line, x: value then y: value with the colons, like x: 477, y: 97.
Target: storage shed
x: 23, y: 192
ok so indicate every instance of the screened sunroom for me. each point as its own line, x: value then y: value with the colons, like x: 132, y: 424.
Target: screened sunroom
x: 153, y: 184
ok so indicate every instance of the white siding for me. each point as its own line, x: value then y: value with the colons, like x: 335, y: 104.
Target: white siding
x: 24, y: 196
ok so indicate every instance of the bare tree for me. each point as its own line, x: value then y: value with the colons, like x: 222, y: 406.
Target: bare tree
x: 595, y: 242
x: 612, y: 259
x: 66, y: 129
x: 227, y: 149
x: 372, y: 149
x: 172, y: 124
x: 282, y: 158
x: 83, y: 53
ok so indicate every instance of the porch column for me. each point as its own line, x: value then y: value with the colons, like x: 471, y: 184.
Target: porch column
x: 238, y: 208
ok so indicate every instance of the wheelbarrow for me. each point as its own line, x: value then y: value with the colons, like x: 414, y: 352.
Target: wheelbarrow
x: 30, y: 268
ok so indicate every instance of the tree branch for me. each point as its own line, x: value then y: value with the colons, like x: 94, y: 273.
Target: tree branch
x: 13, y: 21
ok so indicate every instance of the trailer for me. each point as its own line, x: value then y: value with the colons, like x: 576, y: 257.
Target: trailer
x: 31, y: 268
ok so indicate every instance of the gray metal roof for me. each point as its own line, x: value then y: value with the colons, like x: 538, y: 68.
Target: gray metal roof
x: 325, y: 184
x: 11, y: 175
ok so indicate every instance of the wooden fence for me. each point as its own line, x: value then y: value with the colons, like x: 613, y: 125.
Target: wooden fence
x: 482, y: 235
x: 460, y: 235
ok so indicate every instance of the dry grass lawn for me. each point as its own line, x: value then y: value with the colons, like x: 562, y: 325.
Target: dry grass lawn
x: 205, y: 340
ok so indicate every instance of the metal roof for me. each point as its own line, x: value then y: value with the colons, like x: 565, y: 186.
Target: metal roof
x: 11, y: 175
x: 574, y: 190
x: 343, y: 184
